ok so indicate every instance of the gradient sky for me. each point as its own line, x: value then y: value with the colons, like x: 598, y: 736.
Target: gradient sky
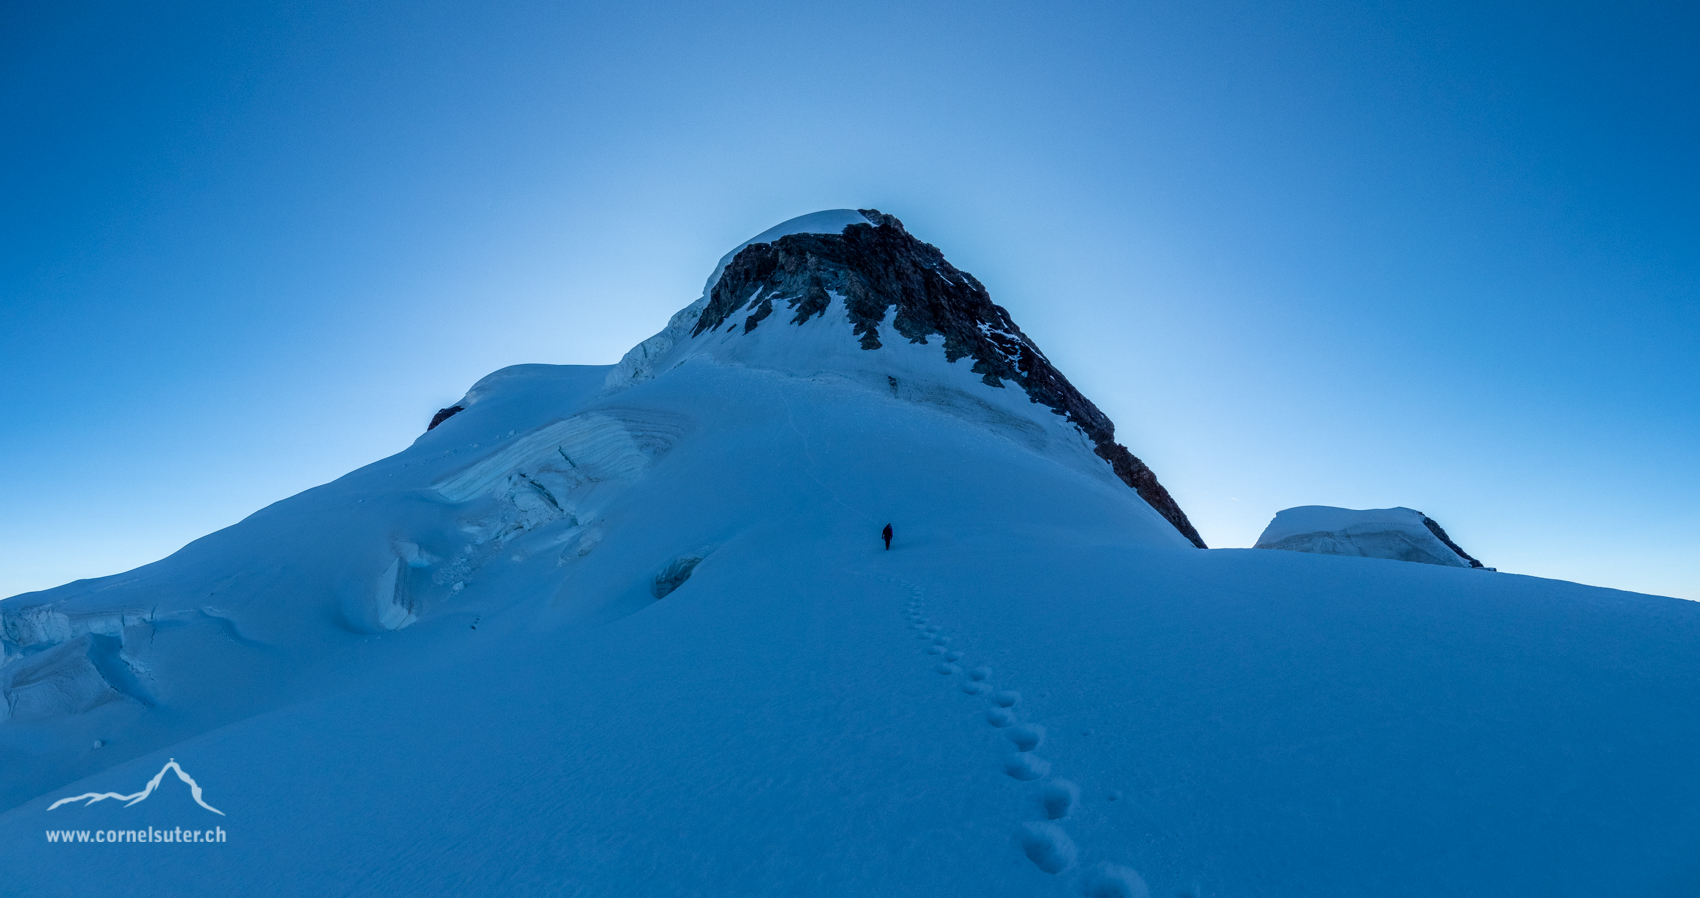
x: 1441, y: 255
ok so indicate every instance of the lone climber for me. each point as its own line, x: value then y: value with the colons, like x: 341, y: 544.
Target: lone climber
x: 887, y: 534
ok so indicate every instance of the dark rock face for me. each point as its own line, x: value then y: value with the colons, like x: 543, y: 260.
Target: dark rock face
x: 674, y: 575
x: 1441, y: 535
x: 443, y: 414
x: 878, y: 267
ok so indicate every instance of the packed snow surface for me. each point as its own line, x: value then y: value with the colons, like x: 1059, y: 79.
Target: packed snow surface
x: 1400, y: 534
x: 603, y: 635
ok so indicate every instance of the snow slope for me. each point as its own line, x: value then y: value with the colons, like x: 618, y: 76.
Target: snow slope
x: 449, y: 673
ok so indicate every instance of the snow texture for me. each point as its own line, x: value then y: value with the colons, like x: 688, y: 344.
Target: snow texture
x: 582, y: 640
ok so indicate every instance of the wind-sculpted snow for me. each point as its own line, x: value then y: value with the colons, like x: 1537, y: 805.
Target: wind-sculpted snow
x: 1400, y: 534
x: 587, y: 448
x: 558, y: 477
x: 63, y: 679
x: 393, y: 599
x: 25, y: 626
x: 54, y: 663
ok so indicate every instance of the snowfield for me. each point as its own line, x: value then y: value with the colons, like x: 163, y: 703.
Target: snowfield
x: 630, y: 630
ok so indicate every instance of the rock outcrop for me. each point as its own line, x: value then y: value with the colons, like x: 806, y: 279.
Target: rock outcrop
x: 894, y: 285
x: 443, y: 414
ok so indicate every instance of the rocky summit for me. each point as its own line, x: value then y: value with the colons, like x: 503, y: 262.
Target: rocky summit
x: 894, y: 286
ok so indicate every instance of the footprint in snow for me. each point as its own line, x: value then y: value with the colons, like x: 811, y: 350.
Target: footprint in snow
x: 1026, y: 737
x: 1058, y: 798
x: 1113, y: 881
x: 1025, y: 766
x: 1047, y: 846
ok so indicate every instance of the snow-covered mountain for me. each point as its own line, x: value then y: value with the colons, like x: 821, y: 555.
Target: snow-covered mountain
x: 631, y: 629
x: 1402, y: 534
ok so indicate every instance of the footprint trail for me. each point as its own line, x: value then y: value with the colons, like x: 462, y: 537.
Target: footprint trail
x: 1044, y: 842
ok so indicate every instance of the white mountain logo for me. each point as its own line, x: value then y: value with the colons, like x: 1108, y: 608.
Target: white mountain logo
x: 194, y: 790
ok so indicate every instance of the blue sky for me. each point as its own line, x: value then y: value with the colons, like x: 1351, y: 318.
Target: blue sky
x: 1422, y: 254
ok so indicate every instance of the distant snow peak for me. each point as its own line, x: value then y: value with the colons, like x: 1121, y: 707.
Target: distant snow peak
x: 1400, y: 534
x: 89, y: 798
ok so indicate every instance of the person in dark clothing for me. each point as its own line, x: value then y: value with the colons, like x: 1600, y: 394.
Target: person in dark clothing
x: 887, y: 534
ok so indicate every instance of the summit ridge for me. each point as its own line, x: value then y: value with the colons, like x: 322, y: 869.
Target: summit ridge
x: 894, y: 285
